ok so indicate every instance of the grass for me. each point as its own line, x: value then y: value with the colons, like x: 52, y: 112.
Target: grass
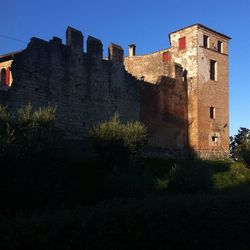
x: 156, y: 204
x: 156, y: 222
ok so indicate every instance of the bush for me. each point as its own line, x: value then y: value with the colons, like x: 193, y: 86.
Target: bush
x: 7, y: 132
x: 28, y: 133
x: 182, y: 222
x: 29, y: 146
x: 116, y: 142
x: 127, y: 185
x: 236, y: 175
x: 191, y: 179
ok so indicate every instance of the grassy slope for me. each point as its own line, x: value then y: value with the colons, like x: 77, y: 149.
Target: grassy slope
x: 188, y: 205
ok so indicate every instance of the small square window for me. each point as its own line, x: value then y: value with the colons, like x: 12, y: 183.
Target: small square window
x: 212, y: 112
x: 182, y: 43
x: 205, y: 41
x: 214, y: 138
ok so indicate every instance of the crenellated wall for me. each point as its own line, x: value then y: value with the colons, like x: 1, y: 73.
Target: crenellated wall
x: 171, y: 90
x: 85, y: 88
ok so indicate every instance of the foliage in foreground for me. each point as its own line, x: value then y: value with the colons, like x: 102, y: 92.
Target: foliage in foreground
x: 43, y: 206
x: 169, y: 222
x: 67, y: 183
x: 127, y: 210
x: 116, y: 142
x: 27, y: 133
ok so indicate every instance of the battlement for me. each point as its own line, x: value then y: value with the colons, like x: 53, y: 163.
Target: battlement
x: 180, y: 93
x: 75, y: 42
x: 74, y: 39
x: 94, y: 48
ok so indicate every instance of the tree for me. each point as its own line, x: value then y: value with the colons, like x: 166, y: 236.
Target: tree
x: 28, y: 133
x: 240, y: 146
x: 116, y: 142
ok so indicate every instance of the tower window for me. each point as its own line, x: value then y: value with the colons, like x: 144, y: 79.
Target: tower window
x: 166, y: 57
x: 214, y: 138
x: 219, y: 46
x: 213, y: 70
x: 212, y: 112
x: 182, y: 43
x: 7, y: 78
x: 205, y: 41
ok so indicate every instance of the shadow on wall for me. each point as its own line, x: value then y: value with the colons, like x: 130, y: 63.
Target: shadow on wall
x: 164, y: 110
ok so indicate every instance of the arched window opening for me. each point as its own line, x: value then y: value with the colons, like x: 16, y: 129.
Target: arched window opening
x: 3, y: 77
x: 7, y: 78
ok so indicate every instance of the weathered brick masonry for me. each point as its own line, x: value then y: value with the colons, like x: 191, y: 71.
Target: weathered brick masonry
x: 198, y: 56
x: 180, y: 93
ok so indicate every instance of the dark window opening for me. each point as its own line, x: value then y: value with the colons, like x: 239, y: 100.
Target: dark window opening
x: 219, y: 46
x: 205, y: 41
x: 212, y: 112
x: 213, y: 70
x: 184, y: 74
x: 215, y: 138
x: 182, y: 43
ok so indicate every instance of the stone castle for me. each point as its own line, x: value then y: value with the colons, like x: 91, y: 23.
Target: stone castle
x: 180, y: 93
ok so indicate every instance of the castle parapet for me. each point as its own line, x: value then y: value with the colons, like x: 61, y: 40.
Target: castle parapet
x: 94, y: 48
x: 116, y: 53
x: 74, y: 39
x: 56, y: 40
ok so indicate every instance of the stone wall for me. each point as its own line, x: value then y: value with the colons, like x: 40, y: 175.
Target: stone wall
x: 164, y: 111
x: 164, y: 99
x: 169, y: 90
x: 85, y: 88
x: 149, y: 67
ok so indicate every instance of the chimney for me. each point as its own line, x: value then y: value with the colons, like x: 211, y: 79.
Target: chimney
x: 131, y: 50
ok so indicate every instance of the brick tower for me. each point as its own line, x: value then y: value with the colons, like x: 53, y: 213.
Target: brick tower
x: 203, y: 54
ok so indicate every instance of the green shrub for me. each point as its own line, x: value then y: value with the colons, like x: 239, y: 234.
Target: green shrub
x: 116, y: 142
x: 236, y: 175
x: 37, y: 130
x: 161, y: 183
x: 159, y: 167
x: 29, y: 145
x: 7, y: 132
x: 167, y: 222
x: 134, y: 136
x: 191, y: 179
x: 127, y: 185
x: 28, y: 132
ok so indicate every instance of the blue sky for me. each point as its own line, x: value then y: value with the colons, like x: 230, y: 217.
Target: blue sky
x: 145, y: 23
